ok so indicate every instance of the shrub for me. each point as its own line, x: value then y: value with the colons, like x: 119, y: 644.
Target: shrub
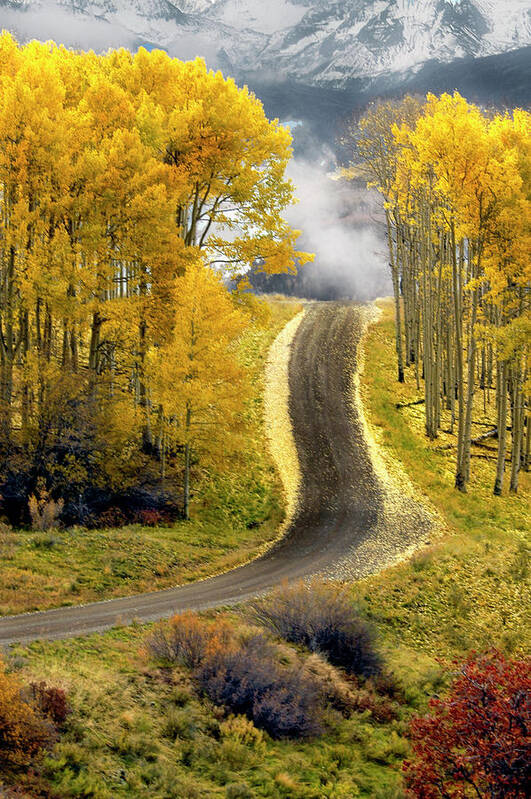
x: 241, y: 730
x: 247, y: 680
x: 44, y: 511
x: 322, y: 618
x: 475, y: 743
x: 186, y: 640
x: 150, y: 518
x: 24, y: 733
x: 51, y: 702
x: 178, y: 724
x: 380, y: 708
x: 112, y: 517
x: 8, y: 541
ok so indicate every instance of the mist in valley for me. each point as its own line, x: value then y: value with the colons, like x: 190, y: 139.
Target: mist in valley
x: 340, y: 221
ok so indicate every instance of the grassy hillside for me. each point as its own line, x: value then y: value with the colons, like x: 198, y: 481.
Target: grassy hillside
x: 232, y: 516
x: 139, y: 730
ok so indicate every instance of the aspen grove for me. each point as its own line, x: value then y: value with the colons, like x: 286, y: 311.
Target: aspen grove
x: 456, y: 185
x: 120, y: 175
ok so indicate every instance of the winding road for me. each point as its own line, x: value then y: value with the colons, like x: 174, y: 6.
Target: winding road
x: 342, y: 499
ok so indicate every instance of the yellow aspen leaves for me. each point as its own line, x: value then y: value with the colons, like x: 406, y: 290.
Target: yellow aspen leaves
x: 456, y: 188
x: 123, y: 179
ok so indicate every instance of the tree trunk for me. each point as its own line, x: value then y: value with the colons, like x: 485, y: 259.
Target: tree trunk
x: 396, y: 291
x: 187, y: 454
x: 95, y: 336
x: 7, y: 344
x: 527, y: 449
x: 502, y: 427
x: 456, y: 290
x: 517, y: 425
x: 470, y: 389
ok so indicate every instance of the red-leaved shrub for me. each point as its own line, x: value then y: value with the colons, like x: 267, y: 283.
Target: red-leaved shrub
x: 51, y: 702
x: 150, y: 518
x: 476, y: 742
x: 112, y: 517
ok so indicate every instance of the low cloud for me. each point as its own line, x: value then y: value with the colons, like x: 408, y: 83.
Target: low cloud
x: 263, y: 17
x: 339, y: 222
x: 73, y: 30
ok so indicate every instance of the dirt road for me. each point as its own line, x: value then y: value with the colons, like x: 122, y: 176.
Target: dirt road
x: 339, y: 529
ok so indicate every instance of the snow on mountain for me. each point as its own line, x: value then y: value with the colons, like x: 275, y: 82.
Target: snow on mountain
x: 264, y: 17
x: 320, y: 42
x: 194, y: 6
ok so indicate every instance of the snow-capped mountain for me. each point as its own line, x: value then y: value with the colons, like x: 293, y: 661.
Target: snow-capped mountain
x: 319, y: 42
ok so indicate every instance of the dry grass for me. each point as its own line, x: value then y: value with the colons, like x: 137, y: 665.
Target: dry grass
x: 277, y: 419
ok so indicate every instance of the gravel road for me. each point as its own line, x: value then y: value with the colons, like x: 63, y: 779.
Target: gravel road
x: 340, y: 528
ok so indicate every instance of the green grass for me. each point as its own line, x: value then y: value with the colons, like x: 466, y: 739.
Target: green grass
x: 470, y: 589
x: 234, y: 515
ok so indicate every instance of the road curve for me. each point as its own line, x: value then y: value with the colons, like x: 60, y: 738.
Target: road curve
x: 341, y: 498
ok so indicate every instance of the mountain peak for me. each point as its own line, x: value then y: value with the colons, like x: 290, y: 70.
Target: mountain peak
x: 320, y: 42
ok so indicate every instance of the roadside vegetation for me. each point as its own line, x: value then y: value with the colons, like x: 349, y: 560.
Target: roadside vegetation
x: 235, y: 511
x: 470, y: 588
x: 217, y: 705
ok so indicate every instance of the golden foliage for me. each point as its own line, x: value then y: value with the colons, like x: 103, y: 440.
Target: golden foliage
x: 455, y: 182
x: 121, y: 177
x: 23, y: 732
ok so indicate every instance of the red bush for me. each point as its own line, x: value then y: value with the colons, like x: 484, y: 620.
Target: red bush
x: 476, y: 742
x: 112, y: 517
x: 51, y: 702
x: 150, y: 518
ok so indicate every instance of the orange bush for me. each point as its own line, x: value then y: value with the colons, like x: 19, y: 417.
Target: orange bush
x: 24, y: 733
x: 186, y: 639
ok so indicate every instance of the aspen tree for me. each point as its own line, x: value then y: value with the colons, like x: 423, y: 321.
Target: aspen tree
x: 117, y: 173
x: 460, y: 194
x: 378, y: 149
x: 195, y: 375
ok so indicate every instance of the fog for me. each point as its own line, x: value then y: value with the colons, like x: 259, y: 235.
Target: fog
x: 341, y: 224
x: 264, y: 17
x: 72, y: 30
